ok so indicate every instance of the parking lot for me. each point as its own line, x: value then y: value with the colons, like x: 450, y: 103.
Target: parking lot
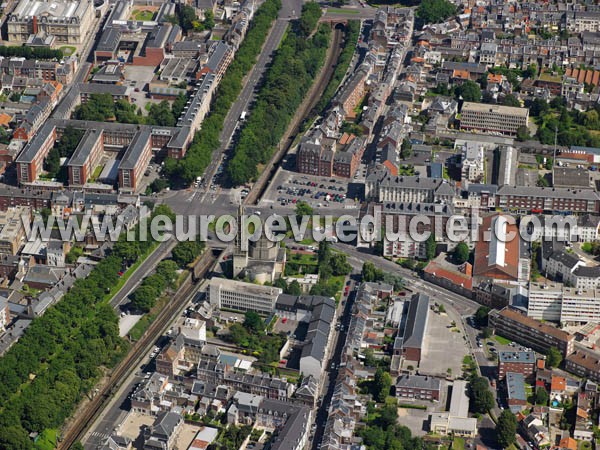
x: 138, y: 77
x: 445, y: 346
x: 289, y: 188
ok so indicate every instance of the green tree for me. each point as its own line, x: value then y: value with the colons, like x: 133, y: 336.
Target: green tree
x: 482, y: 399
x: 541, y: 396
x: 186, y: 252
x: 486, y: 333
x: 381, y: 385
x: 538, y: 107
x: 339, y: 264
x: 187, y: 16
x: 294, y: 288
x: 553, y: 357
x: 435, y: 11
x: 523, y: 134
x: 430, y: 247
x: 303, y: 209
x: 253, y: 322
x: 481, y: 316
x: 144, y: 297
x: 405, y: 149
x: 469, y: 91
x: 506, y: 429
x: 461, y: 253
x: 511, y: 100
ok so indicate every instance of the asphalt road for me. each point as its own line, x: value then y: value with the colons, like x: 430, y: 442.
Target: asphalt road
x: 290, y: 9
x: 142, y: 272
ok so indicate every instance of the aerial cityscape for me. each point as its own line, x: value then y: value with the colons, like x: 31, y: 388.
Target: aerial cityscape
x: 299, y: 225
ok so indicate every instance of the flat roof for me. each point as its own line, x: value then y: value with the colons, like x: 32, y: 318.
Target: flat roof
x: 517, y: 357
x: 498, y: 109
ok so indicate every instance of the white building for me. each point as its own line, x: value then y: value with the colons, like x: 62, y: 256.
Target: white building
x: 240, y: 296
x: 545, y: 300
x: 472, y: 166
x: 555, y: 303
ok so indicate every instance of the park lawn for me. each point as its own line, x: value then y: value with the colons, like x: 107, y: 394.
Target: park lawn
x: 304, y: 259
x: 458, y: 444
x: 502, y: 340
x: 68, y: 50
x: 47, y: 439
x: 342, y: 11
x: 143, y: 15
x: 97, y: 172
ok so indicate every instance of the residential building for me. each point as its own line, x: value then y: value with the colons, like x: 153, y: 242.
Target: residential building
x: 135, y: 161
x: 240, y: 296
x: 584, y: 363
x: 524, y: 199
x: 12, y: 228
x: 515, y: 391
x: 86, y: 157
x: 418, y: 387
x: 516, y: 362
x: 472, y: 162
x: 524, y: 330
x: 493, y: 118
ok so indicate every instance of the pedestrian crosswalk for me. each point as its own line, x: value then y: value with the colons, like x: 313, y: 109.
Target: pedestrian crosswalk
x: 100, y: 436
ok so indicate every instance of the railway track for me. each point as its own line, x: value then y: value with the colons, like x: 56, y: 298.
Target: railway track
x: 136, y: 353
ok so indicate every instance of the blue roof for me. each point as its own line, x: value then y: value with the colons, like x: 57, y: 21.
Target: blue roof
x: 515, y: 386
x: 436, y: 170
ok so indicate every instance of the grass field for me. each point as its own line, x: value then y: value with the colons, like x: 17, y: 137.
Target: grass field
x: 458, y: 444
x: 502, y: 340
x: 46, y: 440
x: 342, y: 11
x: 68, y: 50
x: 142, y: 14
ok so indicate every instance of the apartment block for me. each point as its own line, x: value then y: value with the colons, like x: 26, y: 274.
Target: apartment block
x: 516, y: 362
x: 12, y: 229
x: 493, y: 118
x: 135, y: 160
x: 86, y: 157
x: 584, y: 363
x: 526, y: 199
x: 240, y: 296
x: 524, y: 330
x: 30, y: 161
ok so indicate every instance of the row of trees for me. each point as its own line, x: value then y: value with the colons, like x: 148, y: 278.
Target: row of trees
x: 198, y: 156
x: 372, y: 273
x: 60, y: 356
x: 145, y: 296
x: 30, y: 52
x: 331, y: 264
x: 292, y: 72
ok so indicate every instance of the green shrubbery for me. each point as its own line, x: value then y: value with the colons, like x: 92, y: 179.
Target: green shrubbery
x: 294, y: 68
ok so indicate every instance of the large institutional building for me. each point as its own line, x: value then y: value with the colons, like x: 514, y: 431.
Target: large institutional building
x: 495, y: 118
x: 231, y: 294
x: 67, y: 21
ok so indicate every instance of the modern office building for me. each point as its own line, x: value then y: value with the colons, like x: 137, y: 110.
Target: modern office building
x: 493, y: 118
x: 240, y: 296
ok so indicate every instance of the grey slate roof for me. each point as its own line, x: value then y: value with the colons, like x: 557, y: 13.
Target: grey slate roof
x: 418, y: 382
